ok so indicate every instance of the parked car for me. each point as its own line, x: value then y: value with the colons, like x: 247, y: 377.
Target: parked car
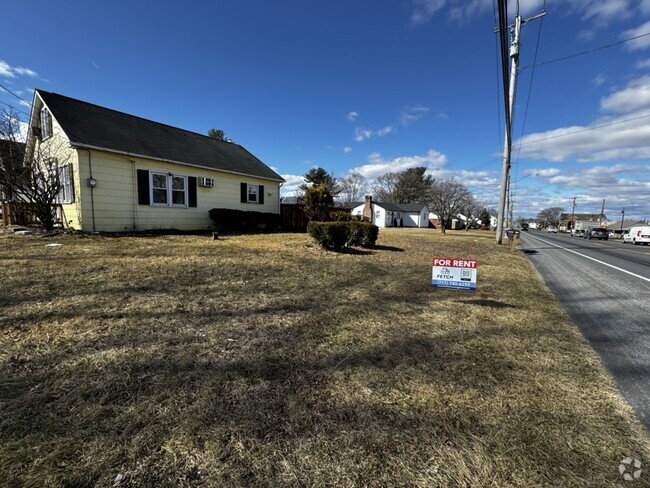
x: 638, y: 235
x: 596, y: 233
x: 552, y: 229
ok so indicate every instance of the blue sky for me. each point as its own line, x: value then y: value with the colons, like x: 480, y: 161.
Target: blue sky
x: 366, y: 85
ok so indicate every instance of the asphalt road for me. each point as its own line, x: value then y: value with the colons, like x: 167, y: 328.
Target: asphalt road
x: 605, y: 288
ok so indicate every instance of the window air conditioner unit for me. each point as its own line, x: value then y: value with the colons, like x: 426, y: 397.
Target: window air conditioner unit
x: 207, y: 182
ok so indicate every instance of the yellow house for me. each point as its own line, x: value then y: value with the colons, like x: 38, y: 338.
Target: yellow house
x: 122, y: 173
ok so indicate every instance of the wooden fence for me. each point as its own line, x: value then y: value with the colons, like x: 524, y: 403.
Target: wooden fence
x: 293, y: 218
x: 18, y: 213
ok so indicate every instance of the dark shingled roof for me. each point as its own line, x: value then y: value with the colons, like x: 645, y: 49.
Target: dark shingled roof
x: 87, y: 124
x: 391, y: 207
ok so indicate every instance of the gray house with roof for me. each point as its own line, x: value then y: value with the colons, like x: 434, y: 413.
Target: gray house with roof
x: 120, y: 172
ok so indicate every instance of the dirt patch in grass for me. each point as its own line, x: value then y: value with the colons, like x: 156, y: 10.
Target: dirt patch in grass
x: 265, y: 361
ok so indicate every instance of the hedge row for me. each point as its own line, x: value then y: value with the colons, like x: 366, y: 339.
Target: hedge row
x: 337, y: 235
x: 230, y: 220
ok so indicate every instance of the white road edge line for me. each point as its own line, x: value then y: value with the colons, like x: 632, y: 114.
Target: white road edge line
x: 593, y: 259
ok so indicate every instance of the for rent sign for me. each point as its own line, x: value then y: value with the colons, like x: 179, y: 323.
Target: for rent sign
x: 454, y: 273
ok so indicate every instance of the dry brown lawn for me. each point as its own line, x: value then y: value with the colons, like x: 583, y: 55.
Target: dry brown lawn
x: 262, y: 360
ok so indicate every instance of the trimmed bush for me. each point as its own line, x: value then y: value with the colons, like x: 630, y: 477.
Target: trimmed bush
x: 340, y: 215
x: 363, y: 234
x: 231, y: 220
x: 337, y: 235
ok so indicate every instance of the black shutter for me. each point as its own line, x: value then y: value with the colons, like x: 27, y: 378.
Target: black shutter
x: 191, y: 183
x: 244, y: 193
x: 143, y: 187
x: 71, y: 181
x: 261, y: 194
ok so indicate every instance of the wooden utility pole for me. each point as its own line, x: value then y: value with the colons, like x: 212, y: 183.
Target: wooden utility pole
x: 602, y: 211
x: 515, y: 33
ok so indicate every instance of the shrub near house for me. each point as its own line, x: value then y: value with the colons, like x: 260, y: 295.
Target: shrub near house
x: 337, y: 235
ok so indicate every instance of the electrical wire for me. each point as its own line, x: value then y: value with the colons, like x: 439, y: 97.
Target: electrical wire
x: 12, y: 93
x: 590, y: 51
x: 586, y: 129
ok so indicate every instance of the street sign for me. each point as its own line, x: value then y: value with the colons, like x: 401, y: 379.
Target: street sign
x: 455, y: 273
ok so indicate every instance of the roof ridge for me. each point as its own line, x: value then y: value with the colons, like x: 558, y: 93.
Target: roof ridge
x: 135, y: 116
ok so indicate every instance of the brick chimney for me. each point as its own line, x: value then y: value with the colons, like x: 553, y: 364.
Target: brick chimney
x: 367, y: 209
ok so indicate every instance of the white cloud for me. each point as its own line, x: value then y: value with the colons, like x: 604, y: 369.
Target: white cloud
x: 362, y: 134
x: 622, y: 136
x: 635, y: 96
x: 465, y: 10
x: 352, y: 116
x: 643, y: 63
x: 385, y: 131
x: 642, y: 42
x: 599, y: 80
x: 423, y: 10
x: 546, y: 173
x: 347, y: 149
x: 377, y: 166
x: 621, y: 185
x: 598, y: 12
x: 8, y: 71
x: 644, y: 6
x: 410, y: 115
x: 292, y: 184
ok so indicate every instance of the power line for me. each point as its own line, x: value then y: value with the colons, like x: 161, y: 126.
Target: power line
x: 584, y: 130
x: 15, y: 108
x: 590, y: 51
x: 12, y: 93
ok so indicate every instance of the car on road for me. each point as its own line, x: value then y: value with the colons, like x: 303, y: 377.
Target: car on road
x: 596, y: 233
x: 552, y: 229
x: 638, y: 235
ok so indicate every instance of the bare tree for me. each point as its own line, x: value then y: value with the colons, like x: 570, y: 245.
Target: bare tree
x: 353, y: 188
x: 36, y: 172
x: 409, y: 186
x: 472, y: 209
x: 217, y: 134
x: 385, y: 188
x: 550, y: 216
x: 446, y: 199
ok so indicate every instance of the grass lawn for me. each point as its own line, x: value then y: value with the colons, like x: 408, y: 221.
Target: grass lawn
x: 265, y: 361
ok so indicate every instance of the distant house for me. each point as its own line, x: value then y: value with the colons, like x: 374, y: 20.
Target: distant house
x: 384, y: 214
x: 621, y: 227
x: 581, y: 221
x: 121, y: 172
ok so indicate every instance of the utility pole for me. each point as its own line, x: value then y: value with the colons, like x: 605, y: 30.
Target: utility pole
x: 602, y: 211
x: 515, y: 32
x: 573, y: 216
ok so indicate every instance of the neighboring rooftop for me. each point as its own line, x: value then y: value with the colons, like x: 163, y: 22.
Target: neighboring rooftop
x: 391, y: 207
x: 89, y: 125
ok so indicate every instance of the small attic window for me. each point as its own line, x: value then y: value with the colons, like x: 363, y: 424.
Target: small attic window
x: 46, y: 123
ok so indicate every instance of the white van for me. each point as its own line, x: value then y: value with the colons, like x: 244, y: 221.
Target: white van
x: 638, y: 235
